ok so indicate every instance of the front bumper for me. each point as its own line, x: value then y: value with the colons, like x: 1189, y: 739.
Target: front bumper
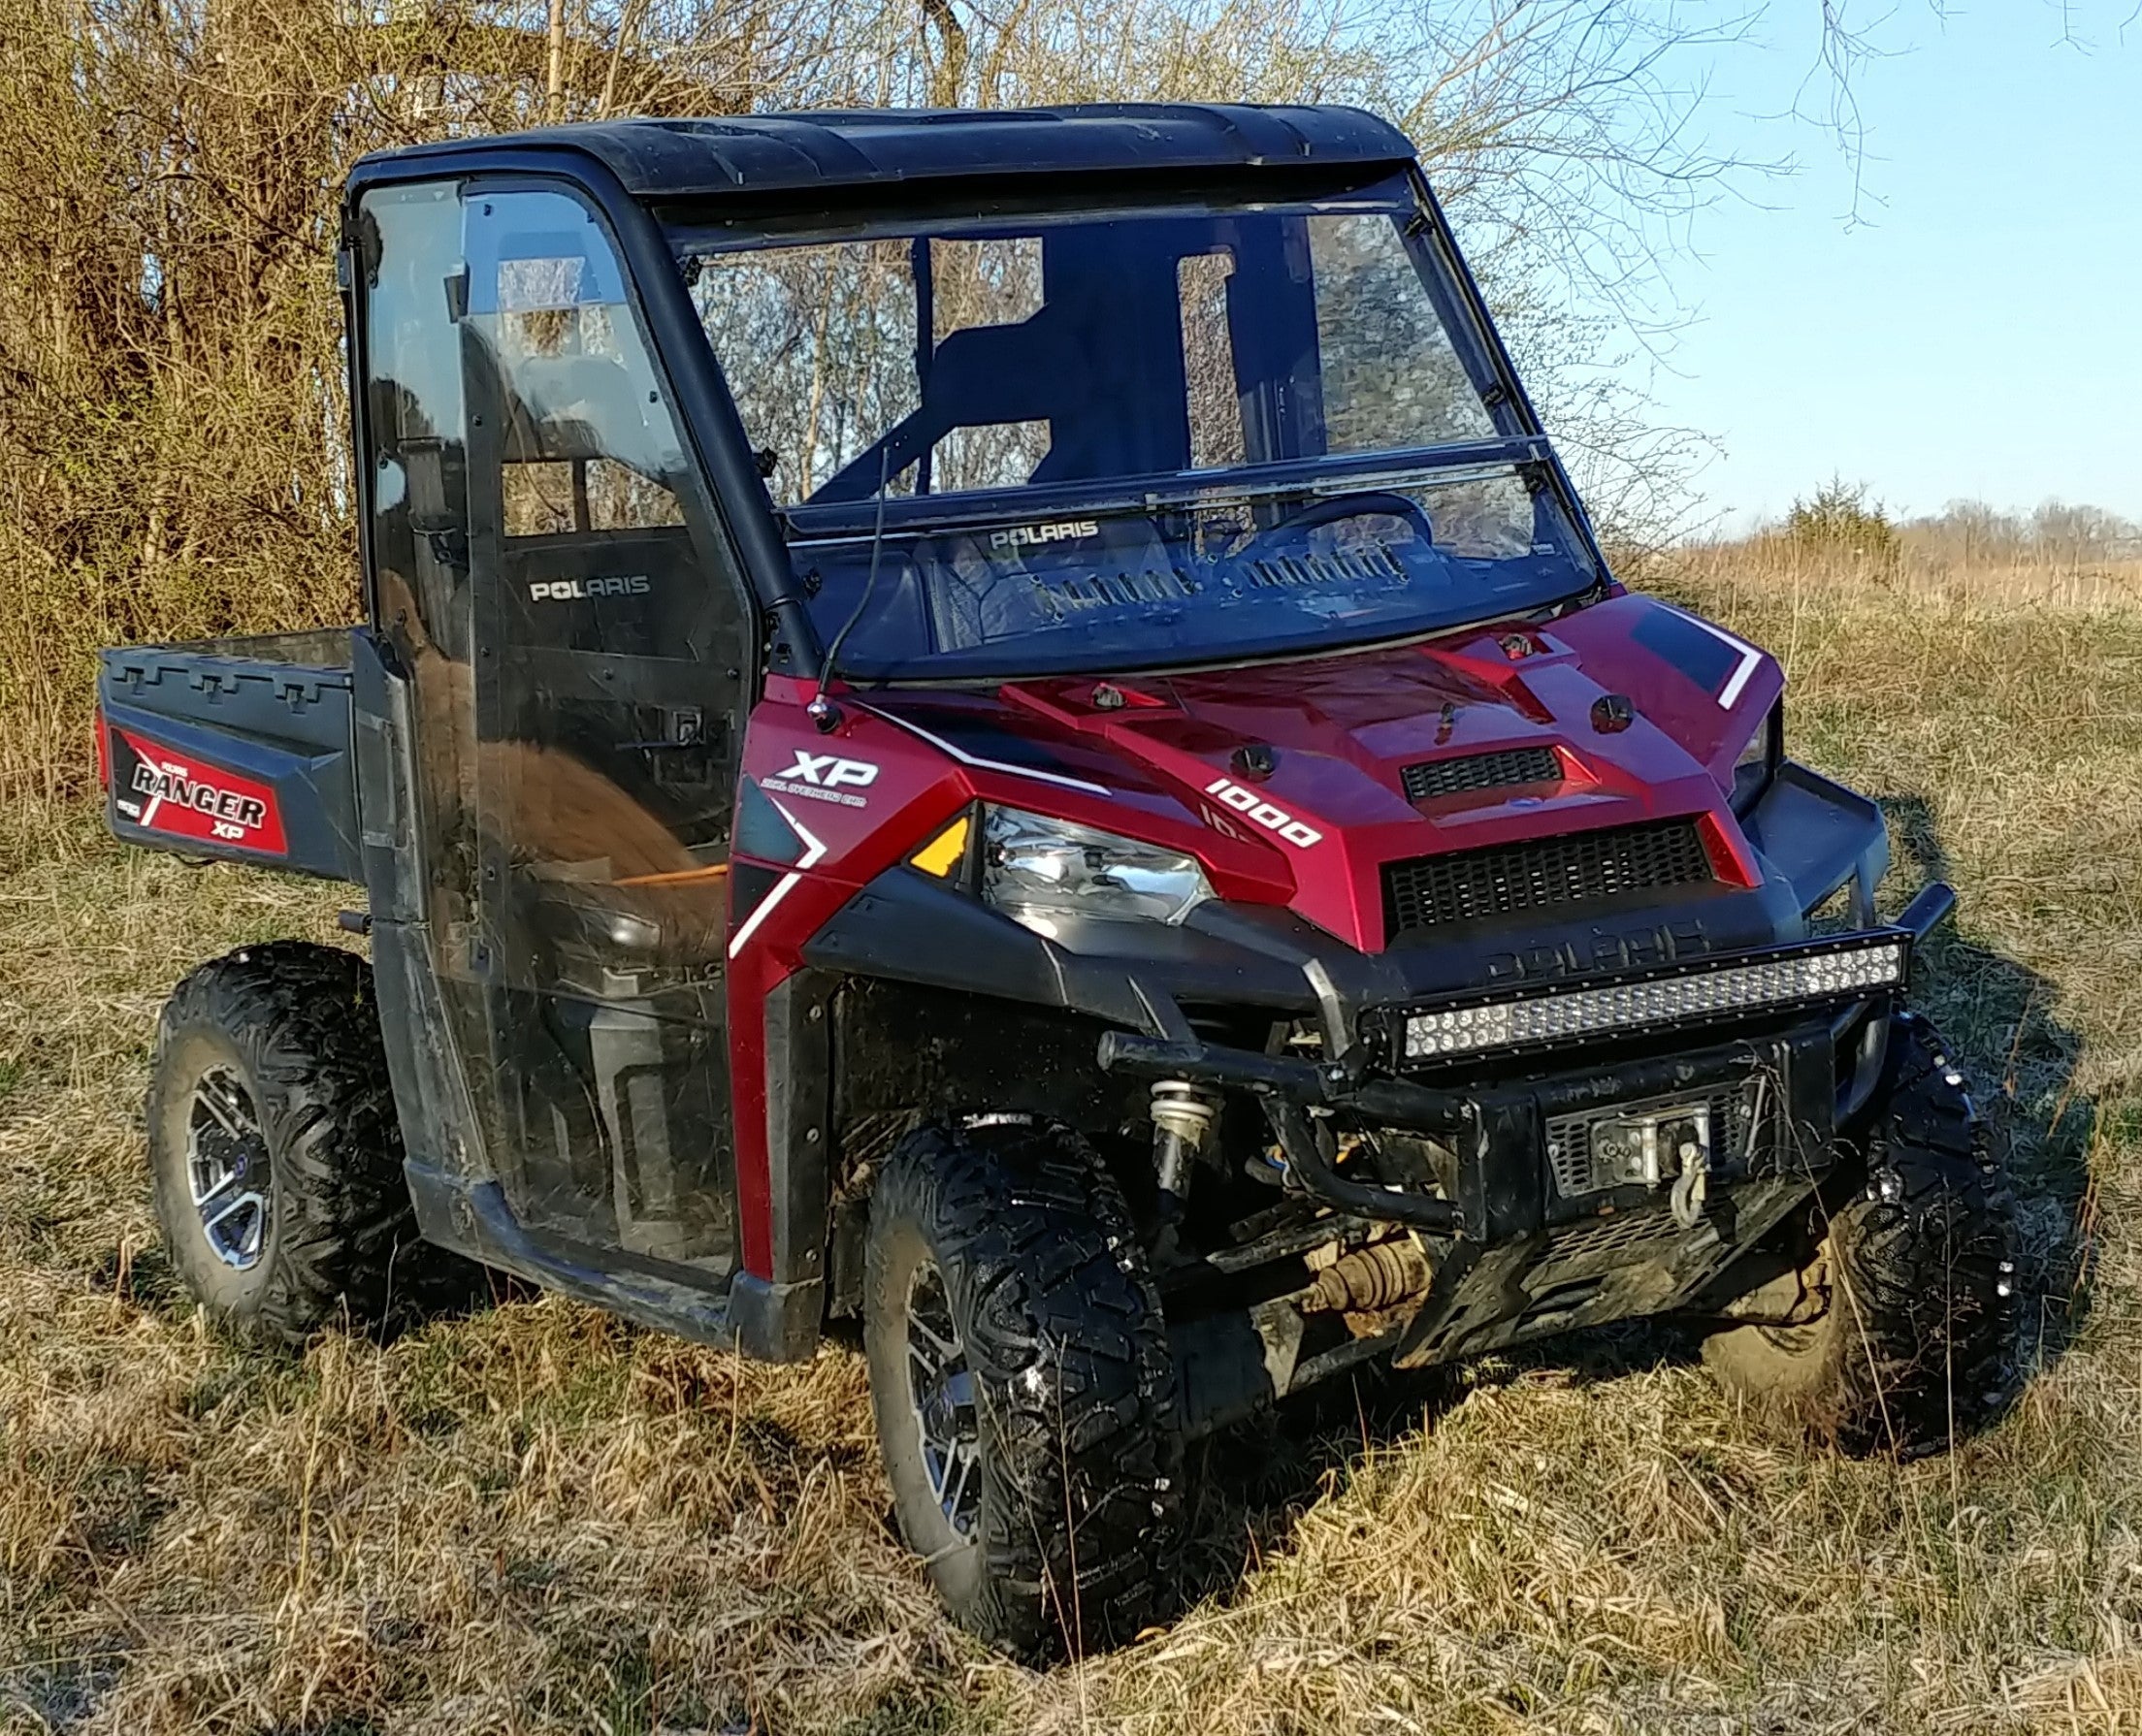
x: 1527, y: 1242
x: 1508, y: 1176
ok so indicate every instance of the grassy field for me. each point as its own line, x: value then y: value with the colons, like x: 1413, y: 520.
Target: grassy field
x: 531, y: 1518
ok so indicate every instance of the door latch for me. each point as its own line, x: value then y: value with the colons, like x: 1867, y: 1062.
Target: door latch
x: 682, y: 726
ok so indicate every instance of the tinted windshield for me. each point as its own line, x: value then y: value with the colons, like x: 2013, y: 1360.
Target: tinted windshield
x: 1158, y: 435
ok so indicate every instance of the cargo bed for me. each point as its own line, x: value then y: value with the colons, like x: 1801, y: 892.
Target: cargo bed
x: 237, y: 748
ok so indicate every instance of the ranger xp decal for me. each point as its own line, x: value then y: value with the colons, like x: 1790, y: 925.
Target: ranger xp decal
x: 162, y: 791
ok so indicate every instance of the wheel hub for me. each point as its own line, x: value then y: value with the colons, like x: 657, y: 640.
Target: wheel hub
x: 227, y: 1170
x: 941, y: 1395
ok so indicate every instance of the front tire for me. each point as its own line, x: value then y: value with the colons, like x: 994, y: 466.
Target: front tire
x: 274, y: 1155
x: 1024, y: 1393
x: 1912, y: 1343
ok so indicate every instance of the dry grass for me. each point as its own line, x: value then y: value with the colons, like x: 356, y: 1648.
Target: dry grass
x: 535, y: 1519
x: 1919, y: 575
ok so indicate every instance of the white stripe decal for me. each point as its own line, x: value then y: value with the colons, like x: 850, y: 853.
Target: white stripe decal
x: 766, y: 909
x: 813, y: 849
x: 169, y: 768
x: 989, y: 766
x: 1750, y: 658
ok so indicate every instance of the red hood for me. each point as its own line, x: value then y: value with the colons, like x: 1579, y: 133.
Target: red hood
x: 1340, y: 732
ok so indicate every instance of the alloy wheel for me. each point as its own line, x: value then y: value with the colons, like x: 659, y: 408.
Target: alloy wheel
x: 941, y: 1394
x: 227, y: 1170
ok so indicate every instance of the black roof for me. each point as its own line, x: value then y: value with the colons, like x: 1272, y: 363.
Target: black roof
x: 859, y: 147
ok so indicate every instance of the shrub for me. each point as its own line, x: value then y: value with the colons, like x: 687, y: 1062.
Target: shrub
x: 1841, y: 519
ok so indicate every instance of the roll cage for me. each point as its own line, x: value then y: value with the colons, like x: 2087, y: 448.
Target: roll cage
x: 647, y: 180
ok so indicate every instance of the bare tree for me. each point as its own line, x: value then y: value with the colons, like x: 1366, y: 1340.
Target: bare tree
x: 1849, y: 42
x: 171, y: 415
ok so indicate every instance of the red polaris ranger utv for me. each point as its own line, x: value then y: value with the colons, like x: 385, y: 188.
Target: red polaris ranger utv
x: 1004, y: 726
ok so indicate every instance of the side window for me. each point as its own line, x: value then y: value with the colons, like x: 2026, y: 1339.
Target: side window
x: 608, y: 697
x: 590, y: 470
x: 557, y: 497
x: 416, y: 419
x: 582, y: 453
x: 818, y: 346
x: 411, y: 254
x: 1214, y: 396
x: 975, y: 284
x: 1392, y: 377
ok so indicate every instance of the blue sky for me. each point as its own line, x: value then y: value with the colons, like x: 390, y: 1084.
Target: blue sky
x: 1977, y: 331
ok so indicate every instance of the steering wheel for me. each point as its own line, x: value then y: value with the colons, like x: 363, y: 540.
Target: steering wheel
x: 1333, y: 508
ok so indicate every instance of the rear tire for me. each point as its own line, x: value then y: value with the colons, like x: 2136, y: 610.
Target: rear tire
x: 1024, y: 1397
x: 274, y: 1155
x: 1914, y: 1347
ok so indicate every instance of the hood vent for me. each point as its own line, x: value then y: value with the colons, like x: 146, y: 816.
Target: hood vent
x: 1460, y: 776
x: 1468, y: 885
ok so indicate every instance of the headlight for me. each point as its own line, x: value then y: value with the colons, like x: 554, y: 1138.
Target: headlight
x: 1039, y: 871
x: 1751, y: 772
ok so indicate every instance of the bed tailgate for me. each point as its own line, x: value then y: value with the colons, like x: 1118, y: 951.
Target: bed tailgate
x: 238, y: 748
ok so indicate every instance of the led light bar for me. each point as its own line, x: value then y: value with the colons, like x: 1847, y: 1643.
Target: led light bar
x: 1619, y: 1008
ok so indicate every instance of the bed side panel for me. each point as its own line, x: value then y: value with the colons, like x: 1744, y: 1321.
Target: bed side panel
x: 211, y: 752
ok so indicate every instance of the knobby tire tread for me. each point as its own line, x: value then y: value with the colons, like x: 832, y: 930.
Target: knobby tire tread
x: 305, y: 1023
x: 1918, y: 1347
x: 1076, y: 1397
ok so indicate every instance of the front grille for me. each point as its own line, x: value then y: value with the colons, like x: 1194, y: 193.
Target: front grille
x: 1467, y: 886
x: 1505, y: 769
